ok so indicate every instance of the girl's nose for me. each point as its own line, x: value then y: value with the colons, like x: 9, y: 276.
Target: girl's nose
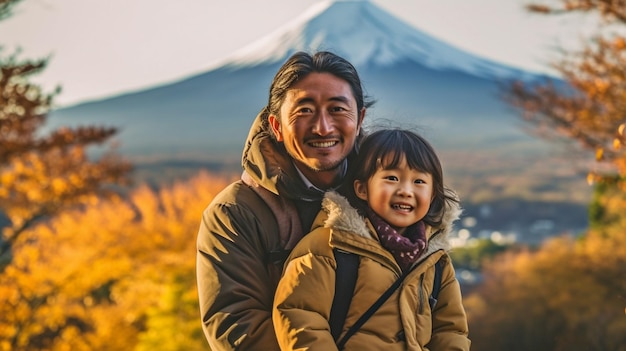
x: 404, y: 188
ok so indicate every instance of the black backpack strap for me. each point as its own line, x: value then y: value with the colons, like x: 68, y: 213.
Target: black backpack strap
x: 345, y: 281
x: 432, y: 299
x: 370, y: 311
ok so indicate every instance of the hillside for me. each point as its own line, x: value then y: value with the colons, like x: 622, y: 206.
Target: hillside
x: 450, y: 96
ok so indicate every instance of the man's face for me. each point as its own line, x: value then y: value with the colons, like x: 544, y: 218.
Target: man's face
x: 319, y: 124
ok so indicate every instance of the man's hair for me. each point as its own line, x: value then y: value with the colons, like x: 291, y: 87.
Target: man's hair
x: 385, y: 149
x: 300, y: 65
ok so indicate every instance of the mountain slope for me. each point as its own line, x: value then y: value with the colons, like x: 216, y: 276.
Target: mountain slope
x: 452, y: 97
x: 413, y: 76
x: 366, y: 35
x: 448, y: 95
x: 210, y: 114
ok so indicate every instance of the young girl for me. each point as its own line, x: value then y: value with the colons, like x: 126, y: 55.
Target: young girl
x: 397, y: 223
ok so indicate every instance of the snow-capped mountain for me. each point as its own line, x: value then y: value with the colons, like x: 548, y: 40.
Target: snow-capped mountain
x: 416, y: 79
x: 451, y: 97
x: 365, y: 34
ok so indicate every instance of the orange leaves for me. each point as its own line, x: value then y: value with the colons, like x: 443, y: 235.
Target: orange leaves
x: 41, y: 175
x: 56, y: 276
x: 601, y: 86
x: 32, y: 181
x: 90, y: 276
x: 569, y: 293
x: 562, y: 296
x: 592, y: 178
x: 619, y: 43
x: 599, y: 154
x: 620, y: 137
x: 592, y: 112
x: 538, y: 8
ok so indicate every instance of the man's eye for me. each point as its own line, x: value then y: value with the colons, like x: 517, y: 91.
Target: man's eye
x: 337, y: 109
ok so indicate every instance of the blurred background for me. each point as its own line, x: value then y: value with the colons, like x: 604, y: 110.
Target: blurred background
x: 119, y: 122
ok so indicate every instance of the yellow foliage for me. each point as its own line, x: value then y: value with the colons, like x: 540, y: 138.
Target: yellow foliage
x: 601, y: 85
x: 566, y: 293
x: 617, y: 144
x: 90, y: 275
x: 599, y: 154
x: 591, y: 178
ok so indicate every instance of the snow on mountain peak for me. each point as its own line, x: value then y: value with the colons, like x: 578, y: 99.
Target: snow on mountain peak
x: 364, y: 34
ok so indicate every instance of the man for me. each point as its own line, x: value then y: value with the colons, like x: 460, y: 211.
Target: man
x: 298, y: 147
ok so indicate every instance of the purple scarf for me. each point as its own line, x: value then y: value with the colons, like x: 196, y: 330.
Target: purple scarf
x: 407, y: 248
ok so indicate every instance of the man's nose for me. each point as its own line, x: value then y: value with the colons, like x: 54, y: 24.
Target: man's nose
x: 323, y: 124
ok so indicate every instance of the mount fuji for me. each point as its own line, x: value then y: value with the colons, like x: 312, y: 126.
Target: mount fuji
x: 366, y: 35
x: 414, y: 77
x: 451, y: 96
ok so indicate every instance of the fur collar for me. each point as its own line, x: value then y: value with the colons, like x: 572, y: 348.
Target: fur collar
x: 342, y: 216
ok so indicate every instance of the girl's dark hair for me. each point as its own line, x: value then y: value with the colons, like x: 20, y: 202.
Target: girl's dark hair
x: 300, y: 65
x: 385, y: 149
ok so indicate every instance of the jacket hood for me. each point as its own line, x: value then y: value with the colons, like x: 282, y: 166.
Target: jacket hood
x: 267, y: 164
x: 341, y: 215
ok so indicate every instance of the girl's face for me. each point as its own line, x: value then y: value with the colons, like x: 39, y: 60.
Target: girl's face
x: 401, y: 196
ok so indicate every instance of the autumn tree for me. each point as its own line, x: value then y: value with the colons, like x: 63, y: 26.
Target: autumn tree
x: 116, y: 274
x: 592, y: 109
x: 570, y: 294
x: 43, y: 173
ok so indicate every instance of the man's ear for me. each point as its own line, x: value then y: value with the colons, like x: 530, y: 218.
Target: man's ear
x: 275, y: 125
x: 360, y: 189
x: 361, y: 116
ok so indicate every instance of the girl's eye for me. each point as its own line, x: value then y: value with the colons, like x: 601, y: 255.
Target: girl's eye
x: 391, y: 177
x: 419, y: 181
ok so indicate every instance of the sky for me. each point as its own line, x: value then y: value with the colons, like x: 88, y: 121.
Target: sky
x: 103, y: 48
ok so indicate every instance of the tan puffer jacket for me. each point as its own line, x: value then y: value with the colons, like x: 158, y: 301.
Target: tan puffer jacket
x: 305, y: 293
